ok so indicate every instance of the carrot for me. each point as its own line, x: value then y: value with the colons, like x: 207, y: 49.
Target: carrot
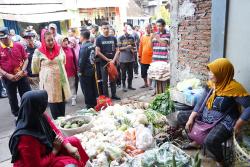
x: 136, y: 152
x: 130, y: 147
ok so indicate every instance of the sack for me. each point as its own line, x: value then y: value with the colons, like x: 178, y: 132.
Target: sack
x: 112, y: 71
x: 103, y: 102
x: 200, y: 131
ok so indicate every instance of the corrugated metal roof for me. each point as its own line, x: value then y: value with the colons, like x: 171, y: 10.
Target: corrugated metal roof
x: 98, y: 3
x: 33, y: 11
x: 12, y: 2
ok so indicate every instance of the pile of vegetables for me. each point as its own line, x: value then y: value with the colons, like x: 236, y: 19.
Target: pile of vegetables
x: 73, y: 124
x: 113, y: 138
x: 163, y: 103
x: 120, y: 134
x: 165, y: 156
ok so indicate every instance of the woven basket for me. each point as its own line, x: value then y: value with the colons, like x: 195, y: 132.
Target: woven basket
x: 241, y: 158
x: 83, y: 128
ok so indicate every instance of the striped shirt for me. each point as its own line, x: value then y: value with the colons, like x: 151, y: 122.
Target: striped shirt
x: 161, y: 50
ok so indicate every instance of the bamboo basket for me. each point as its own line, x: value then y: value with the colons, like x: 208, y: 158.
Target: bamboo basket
x: 241, y: 157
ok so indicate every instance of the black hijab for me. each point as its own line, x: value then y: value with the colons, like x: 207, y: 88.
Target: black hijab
x: 31, y: 121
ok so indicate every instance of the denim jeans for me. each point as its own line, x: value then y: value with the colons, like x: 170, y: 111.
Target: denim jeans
x: 12, y: 86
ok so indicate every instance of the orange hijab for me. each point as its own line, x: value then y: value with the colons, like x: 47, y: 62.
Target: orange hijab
x: 223, y: 70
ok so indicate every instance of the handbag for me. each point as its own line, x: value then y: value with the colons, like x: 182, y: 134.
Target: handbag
x: 201, y: 129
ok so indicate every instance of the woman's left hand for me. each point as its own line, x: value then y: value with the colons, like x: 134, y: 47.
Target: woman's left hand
x: 238, y: 125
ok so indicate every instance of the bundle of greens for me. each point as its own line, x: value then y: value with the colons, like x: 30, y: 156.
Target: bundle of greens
x: 163, y: 103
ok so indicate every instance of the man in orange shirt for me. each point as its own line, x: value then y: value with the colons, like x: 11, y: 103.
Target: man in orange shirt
x: 145, y: 54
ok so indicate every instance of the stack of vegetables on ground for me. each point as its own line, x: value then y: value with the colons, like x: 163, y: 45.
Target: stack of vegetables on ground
x: 119, y: 132
x: 163, y: 103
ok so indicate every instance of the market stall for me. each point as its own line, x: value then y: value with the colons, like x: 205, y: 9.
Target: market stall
x: 124, y: 135
x: 140, y: 133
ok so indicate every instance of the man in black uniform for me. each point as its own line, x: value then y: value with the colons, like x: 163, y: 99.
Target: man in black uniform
x: 107, y: 50
x: 87, y: 70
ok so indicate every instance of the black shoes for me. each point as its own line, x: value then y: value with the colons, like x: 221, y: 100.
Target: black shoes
x: 131, y: 88
x: 115, y: 98
x: 124, y: 89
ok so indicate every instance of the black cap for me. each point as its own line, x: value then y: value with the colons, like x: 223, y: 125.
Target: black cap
x: 28, y: 34
x: 4, y: 32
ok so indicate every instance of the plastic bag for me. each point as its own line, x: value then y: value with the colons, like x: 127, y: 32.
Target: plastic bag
x: 103, y: 102
x: 112, y: 71
x: 144, y: 138
x: 163, y: 157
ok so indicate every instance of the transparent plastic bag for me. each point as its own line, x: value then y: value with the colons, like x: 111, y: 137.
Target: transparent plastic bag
x: 144, y: 138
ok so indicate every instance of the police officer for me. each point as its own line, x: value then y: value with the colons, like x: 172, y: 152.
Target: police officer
x: 87, y: 70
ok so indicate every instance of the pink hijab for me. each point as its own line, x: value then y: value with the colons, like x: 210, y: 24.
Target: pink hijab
x: 77, y: 46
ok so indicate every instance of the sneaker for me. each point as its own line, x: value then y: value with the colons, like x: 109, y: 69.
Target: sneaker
x: 3, y: 94
x: 151, y: 88
x: 115, y: 98
x: 136, y: 75
x: 131, y: 88
x: 73, y: 102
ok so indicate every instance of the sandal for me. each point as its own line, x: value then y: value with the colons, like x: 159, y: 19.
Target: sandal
x: 189, y: 146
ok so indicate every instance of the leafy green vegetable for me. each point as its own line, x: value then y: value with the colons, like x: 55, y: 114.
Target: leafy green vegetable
x: 197, y: 161
x: 163, y: 103
x: 157, y: 119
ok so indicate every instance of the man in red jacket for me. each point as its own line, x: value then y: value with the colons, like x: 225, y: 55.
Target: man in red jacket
x: 13, y: 64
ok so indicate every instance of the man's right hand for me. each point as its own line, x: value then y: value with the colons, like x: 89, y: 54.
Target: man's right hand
x: 108, y: 60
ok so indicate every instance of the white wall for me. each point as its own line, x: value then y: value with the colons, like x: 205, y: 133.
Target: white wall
x: 238, y: 40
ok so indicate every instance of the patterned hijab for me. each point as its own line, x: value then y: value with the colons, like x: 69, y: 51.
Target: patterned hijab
x: 223, y: 70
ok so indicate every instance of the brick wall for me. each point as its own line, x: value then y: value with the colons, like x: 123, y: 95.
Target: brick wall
x: 191, y: 36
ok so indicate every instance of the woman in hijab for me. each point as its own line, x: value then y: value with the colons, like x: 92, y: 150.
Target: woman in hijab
x: 74, y: 44
x: 49, y: 62
x: 71, y: 68
x: 224, y: 95
x: 37, y: 142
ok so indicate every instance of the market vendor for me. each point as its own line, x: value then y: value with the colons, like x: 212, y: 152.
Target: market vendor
x: 221, y: 100
x: 37, y: 142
